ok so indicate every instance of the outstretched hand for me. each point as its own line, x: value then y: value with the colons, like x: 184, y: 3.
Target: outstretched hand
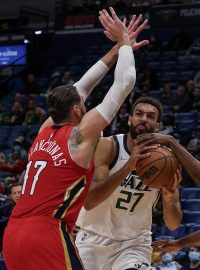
x: 115, y: 30
x: 165, y: 246
x: 134, y: 31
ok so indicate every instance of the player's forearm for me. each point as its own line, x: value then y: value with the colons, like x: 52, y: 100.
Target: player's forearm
x: 103, y: 191
x: 172, y: 213
x: 95, y: 74
x: 125, y: 77
x: 189, y: 163
x: 192, y: 239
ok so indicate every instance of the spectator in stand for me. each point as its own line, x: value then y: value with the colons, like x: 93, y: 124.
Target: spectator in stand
x: 17, y: 114
x: 55, y: 81
x: 195, y: 104
x: 120, y: 4
x: 14, y: 192
x: 31, y: 85
x: 150, y: 78
x: 190, y: 87
x: 180, y: 40
x: 193, y: 260
x: 34, y: 114
x: 121, y: 120
x: 194, y: 48
x: 2, y: 114
x: 15, y: 165
x: 181, y: 101
x: 168, y: 262
x: 20, y: 145
x: 67, y: 78
x: 197, y: 78
x: 168, y: 124
x: 194, y: 144
x: 166, y: 96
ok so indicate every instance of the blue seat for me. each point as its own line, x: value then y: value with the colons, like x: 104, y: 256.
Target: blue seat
x: 5, y: 210
x: 191, y: 204
x: 153, y: 65
x: 186, y: 125
x: 184, y: 116
x: 168, y: 65
x: 164, y: 237
x: 184, y: 64
x: 169, y: 55
x: 190, y: 193
x: 185, y: 76
x: 180, y: 232
x: 152, y: 56
x: 168, y: 76
x: 194, y: 228
x: 155, y: 94
x: 191, y: 217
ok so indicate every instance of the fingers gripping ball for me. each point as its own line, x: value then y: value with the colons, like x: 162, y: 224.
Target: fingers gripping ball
x: 159, y: 168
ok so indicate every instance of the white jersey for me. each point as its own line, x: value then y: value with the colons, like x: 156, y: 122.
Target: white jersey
x: 127, y: 213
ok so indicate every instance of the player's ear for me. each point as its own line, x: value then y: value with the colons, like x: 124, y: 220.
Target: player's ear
x: 76, y: 110
x: 129, y: 121
x: 157, y: 127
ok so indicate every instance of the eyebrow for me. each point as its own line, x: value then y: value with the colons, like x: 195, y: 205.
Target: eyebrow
x: 137, y: 110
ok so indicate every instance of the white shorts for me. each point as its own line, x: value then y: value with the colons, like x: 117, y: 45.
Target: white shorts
x: 102, y: 253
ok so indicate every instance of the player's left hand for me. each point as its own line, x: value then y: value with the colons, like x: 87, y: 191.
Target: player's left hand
x: 171, y: 188
x: 134, y: 31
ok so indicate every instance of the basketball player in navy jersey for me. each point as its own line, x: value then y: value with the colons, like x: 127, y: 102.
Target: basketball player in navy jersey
x: 116, y: 234
x: 60, y: 164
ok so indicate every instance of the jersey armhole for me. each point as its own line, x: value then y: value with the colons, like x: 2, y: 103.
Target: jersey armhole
x: 116, y: 154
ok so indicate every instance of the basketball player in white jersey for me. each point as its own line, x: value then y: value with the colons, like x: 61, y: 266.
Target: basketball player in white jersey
x: 116, y: 234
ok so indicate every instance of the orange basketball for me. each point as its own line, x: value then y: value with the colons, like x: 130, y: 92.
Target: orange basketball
x: 158, y: 169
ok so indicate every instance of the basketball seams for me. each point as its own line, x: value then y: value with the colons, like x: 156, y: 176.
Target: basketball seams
x: 147, y: 164
x: 171, y: 165
x: 160, y: 171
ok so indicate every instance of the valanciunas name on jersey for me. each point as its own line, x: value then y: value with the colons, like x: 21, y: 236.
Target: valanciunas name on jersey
x: 50, y: 147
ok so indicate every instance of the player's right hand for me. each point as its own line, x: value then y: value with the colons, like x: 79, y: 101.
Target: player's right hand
x: 139, y: 151
x: 115, y: 30
x: 165, y: 246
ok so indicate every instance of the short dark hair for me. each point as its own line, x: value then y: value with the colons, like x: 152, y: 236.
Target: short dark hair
x: 153, y: 102
x: 60, y: 101
x: 12, y: 186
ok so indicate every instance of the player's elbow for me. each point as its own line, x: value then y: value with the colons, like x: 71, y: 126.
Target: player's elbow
x: 88, y: 205
x: 175, y: 225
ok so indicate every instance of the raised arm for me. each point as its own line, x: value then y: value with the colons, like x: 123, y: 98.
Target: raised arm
x: 97, y: 119
x: 95, y: 74
x: 172, y: 212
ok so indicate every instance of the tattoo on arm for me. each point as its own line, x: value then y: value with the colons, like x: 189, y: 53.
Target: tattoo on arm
x: 75, y: 139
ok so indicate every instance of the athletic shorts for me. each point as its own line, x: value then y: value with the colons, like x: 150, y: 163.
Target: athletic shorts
x: 39, y: 243
x: 102, y: 253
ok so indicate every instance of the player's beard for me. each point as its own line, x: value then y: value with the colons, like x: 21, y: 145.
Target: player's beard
x: 134, y: 133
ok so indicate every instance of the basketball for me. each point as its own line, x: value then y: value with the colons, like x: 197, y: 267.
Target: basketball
x: 158, y: 169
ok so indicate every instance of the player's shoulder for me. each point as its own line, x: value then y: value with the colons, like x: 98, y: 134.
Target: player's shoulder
x: 105, y: 151
x: 106, y: 143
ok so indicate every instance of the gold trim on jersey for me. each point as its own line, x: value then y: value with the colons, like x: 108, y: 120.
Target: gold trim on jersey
x: 70, y: 197
x: 67, y: 258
